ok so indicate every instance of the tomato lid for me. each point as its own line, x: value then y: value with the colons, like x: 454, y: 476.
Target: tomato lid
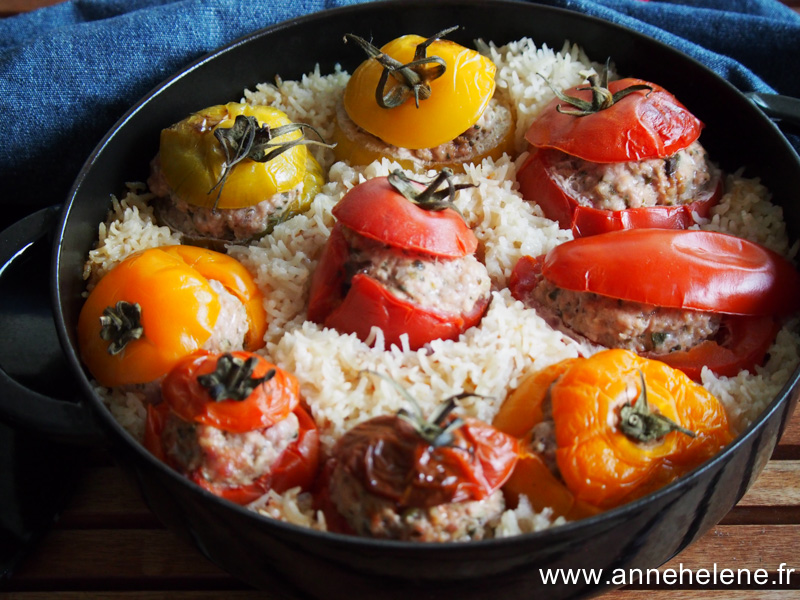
x: 643, y: 124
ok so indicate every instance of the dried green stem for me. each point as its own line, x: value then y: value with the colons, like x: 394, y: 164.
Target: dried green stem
x: 640, y: 423
x: 412, y: 78
x: 437, y: 430
x: 602, y: 98
x: 121, y: 324
x: 247, y: 139
x: 431, y: 198
x: 233, y: 378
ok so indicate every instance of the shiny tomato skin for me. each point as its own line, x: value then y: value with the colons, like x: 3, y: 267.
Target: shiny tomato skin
x: 328, y: 278
x: 524, y: 276
x: 179, y: 310
x: 389, y: 458
x: 236, y: 279
x: 641, y: 125
x: 269, y: 403
x: 687, y: 269
x: 368, y: 303
x: 537, y: 184
x: 296, y: 466
x: 456, y: 102
x: 378, y: 211
x: 742, y: 345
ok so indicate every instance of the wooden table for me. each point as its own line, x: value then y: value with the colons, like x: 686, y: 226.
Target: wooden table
x: 107, y: 544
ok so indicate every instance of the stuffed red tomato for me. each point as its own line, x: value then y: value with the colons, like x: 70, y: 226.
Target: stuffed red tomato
x: 689, y: 298
x: 619, y: 155
x: 408, y: 478
x: 400, y: 259
x: 233, y: 424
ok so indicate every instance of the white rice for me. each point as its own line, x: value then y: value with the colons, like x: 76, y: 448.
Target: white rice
x: 488, y: 360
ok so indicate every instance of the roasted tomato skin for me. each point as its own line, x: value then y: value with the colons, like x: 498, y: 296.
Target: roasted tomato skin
x: 192, y: 159
x: 236, y: 279
x: 742, y: 345
x: 531, y: 477
x: 389, y: 458
x: 378, y: 211
x: 456, y: 102
x: 645, y: 124
x: 269, y: 403
x: 537, y: 183
x: 599, y: 466
x: 179, y: 310
x: 297, y: 466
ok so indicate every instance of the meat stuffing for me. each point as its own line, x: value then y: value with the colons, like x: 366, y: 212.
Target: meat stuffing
x: 446, y: 286
x: 488, y: 132
x: 374, y: 516
x: 624, y: 324
x: 229, y: 224
x: 679, y: 179
x: 223, y: 458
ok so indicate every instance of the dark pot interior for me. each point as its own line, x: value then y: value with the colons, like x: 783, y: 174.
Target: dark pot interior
x: 284, y: 558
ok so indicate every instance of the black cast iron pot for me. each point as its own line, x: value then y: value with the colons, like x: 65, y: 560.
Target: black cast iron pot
x: 297, y: 562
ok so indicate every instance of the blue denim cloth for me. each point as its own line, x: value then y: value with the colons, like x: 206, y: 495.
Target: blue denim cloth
x: 69, y: 71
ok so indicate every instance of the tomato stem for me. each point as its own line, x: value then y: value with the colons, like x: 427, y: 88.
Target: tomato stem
x: 411, y: 78
x: 233, y: 378
x: 246, y: 138
x: 431, y: 198
x: 640, y: 423
x: 437, y: 430
x: 602, y: 98
x: 121, y: 324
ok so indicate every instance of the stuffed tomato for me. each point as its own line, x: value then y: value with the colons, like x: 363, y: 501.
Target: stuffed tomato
x: 233, y: 424
x: 161, y: 304
x: 406, y: 477
x: 401, y: 260
x: 229, y: 173
x: 597, y: 432
x: 425, y: 103
x: 689, y: 298
x: 618, y: 155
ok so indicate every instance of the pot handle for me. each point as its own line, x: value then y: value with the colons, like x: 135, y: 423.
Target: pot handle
x: 22, y: 406
x: 775, y: 106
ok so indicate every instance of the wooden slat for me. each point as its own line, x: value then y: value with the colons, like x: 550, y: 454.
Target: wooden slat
x: 778, y: 485
x: 106, y: 498
x: 773, y: 499
x: 789, y: 445
x: 131, y: 554
x: 12, y: 7
x: 742, y: 547
x: 73, y: 554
